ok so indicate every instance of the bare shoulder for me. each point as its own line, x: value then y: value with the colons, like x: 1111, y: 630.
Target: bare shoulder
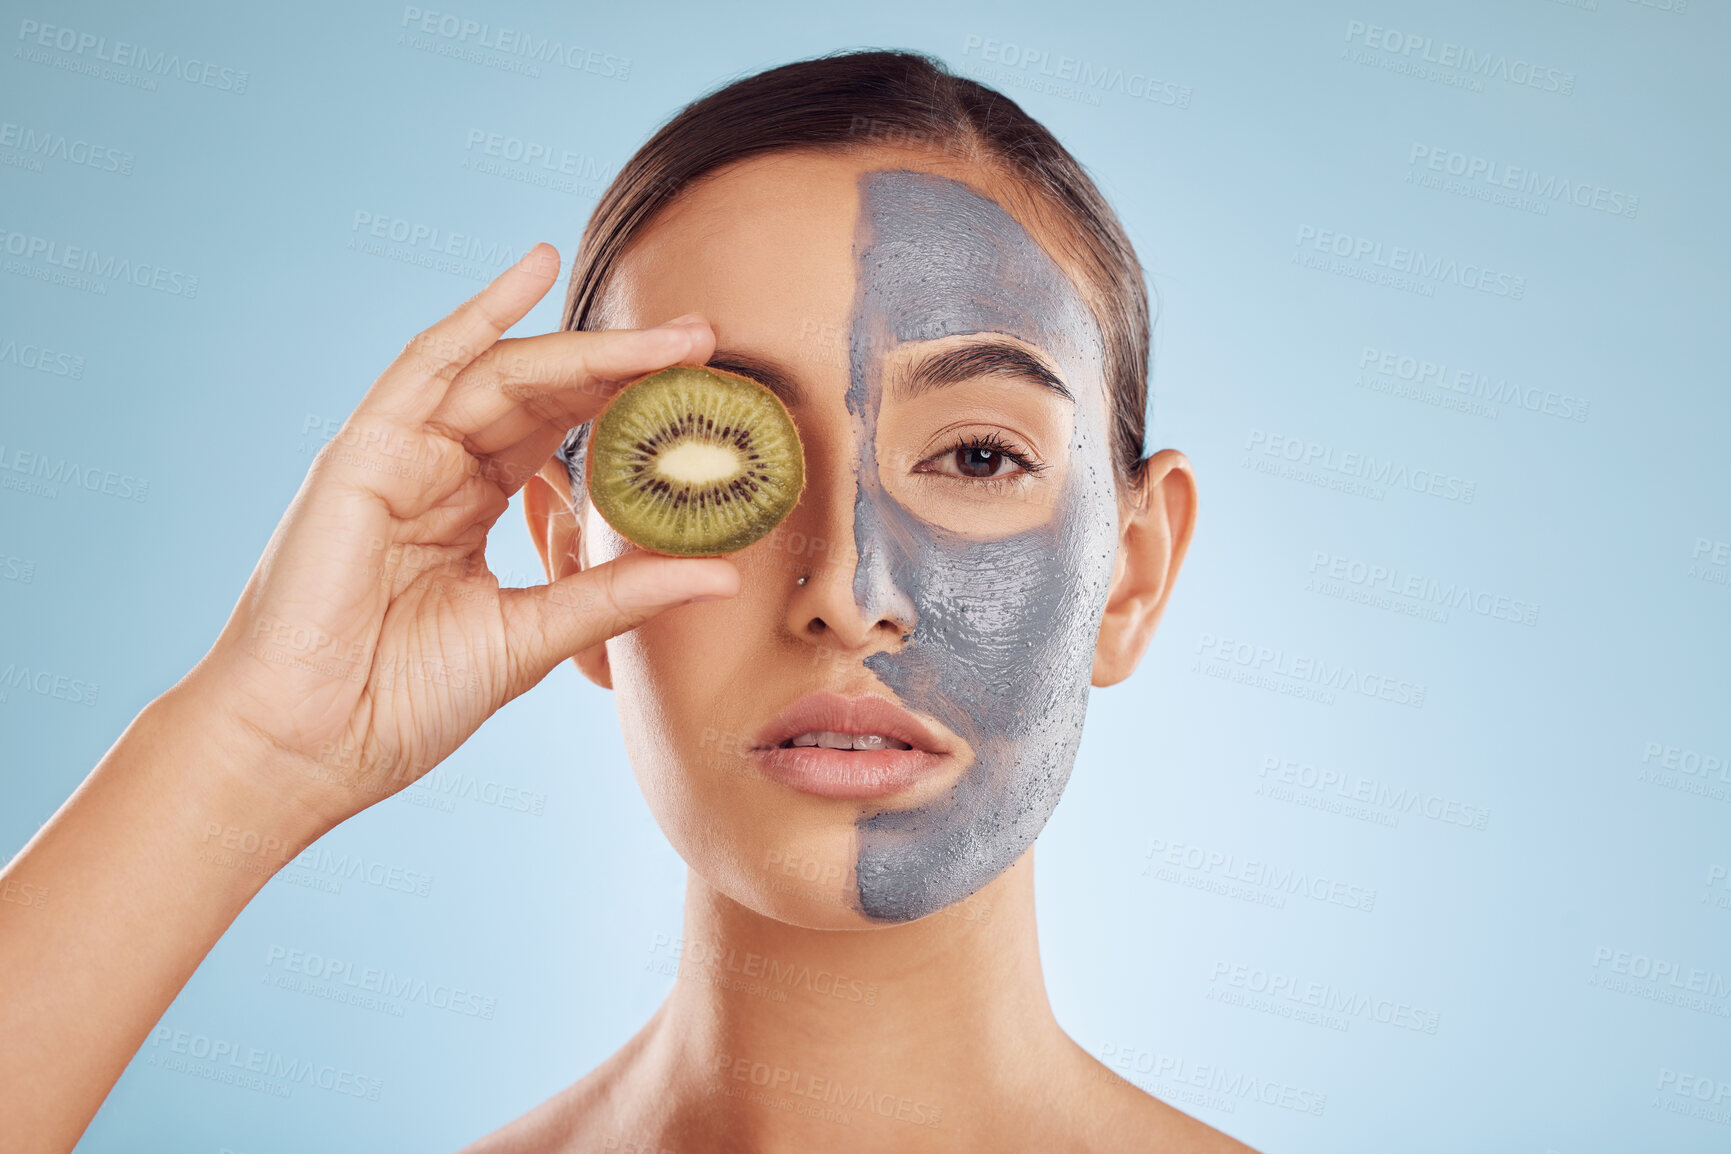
x: 1175, y: 1130
x: 561, y: 1123
x: 1123, y: 1116
x: 1078, y: 1105
x: 580, y: 1118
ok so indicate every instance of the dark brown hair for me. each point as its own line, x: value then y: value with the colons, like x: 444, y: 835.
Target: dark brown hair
x: 900, y: 99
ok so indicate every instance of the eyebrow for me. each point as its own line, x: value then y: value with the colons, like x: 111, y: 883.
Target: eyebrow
x: 982, y: 359
x: 766, y: 373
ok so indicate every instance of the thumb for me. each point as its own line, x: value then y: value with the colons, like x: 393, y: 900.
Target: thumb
x: 547, y: 624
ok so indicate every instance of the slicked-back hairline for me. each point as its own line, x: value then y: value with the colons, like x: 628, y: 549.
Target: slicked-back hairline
x: 859, y: 100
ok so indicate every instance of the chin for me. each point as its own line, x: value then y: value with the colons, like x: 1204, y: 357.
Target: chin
x: 805, y: 881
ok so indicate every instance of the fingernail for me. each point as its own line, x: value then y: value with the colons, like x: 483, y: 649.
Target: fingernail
x: 706, y: 597
x: 680, y: 322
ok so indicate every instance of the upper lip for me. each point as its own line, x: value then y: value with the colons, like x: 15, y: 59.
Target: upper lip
x: 817, y: 712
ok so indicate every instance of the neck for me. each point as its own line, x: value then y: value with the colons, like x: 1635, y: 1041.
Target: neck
x: 883, y: 1031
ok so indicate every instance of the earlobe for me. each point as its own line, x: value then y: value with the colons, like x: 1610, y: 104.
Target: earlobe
x: 1153, y: 536
x: 554, y: 528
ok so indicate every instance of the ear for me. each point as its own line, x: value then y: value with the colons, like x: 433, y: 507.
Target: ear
x: 554, y: 528
x: 1154, y: 530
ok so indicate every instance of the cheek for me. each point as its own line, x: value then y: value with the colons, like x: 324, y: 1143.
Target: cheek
x: 680, y: 747
x: 745, y: 837
x: 686, y: 655
x: 663, y: 667
x: 1010, y: 614
x: 690, y: 681
x: 641, y: 695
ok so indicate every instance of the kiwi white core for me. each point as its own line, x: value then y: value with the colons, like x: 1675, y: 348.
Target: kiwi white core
x: 694, y: 463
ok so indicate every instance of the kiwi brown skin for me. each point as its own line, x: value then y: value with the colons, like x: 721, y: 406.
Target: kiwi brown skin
x: 692, y: 548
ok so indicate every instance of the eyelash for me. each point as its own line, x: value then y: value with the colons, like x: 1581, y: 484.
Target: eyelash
x: 991, y: 442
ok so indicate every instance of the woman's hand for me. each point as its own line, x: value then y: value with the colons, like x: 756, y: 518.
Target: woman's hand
x: 372, y: 639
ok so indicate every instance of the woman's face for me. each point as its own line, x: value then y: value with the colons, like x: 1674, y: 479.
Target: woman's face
x: 957, y: 539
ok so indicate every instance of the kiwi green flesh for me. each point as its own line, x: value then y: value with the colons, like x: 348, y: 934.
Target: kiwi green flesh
x: 695, y: 463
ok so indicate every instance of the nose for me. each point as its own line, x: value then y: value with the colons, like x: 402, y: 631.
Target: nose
x: 848, y: 603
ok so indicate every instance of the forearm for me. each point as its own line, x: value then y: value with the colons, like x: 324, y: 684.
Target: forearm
x: 114, y: 903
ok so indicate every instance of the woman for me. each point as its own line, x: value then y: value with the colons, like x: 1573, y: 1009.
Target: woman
x: 852, y: 730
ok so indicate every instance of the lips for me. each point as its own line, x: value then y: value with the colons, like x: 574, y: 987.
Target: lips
x: 848, y: 773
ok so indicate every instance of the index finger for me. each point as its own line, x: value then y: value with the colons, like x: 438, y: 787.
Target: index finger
x: 521, y: 386
x: 410, y: 389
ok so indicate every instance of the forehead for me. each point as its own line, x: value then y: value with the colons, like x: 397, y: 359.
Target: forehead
x: 940, y: 259
x: 768, y: 248
x: 759, y: 248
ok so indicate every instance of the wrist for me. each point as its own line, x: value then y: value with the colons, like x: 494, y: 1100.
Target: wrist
x: 237, y: 786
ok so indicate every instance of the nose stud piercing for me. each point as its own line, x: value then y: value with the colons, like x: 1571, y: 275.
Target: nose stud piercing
x: 801, y: 581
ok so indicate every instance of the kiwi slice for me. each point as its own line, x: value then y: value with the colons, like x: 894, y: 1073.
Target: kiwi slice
x: 694, y: 462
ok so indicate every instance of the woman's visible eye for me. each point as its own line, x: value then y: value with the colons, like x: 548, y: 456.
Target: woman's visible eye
x: 981, y: 457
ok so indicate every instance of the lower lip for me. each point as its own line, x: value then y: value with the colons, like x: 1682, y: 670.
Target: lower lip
x: 847, y: 773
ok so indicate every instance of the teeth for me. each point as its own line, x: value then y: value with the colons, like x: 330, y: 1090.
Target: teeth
x: 830, y: 739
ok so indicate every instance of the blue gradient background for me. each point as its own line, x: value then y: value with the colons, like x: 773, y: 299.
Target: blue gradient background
x: 218, y: 401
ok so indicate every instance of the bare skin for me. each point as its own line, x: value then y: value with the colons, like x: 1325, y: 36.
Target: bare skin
x: 959, y: 1053
x: 371, y: 641
x: 957, y: 1049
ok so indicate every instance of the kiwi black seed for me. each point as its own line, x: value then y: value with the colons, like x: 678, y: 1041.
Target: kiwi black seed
x: 694, y: 462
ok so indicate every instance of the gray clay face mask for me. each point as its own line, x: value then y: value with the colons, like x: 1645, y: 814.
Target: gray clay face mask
x: 1002, y: 646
